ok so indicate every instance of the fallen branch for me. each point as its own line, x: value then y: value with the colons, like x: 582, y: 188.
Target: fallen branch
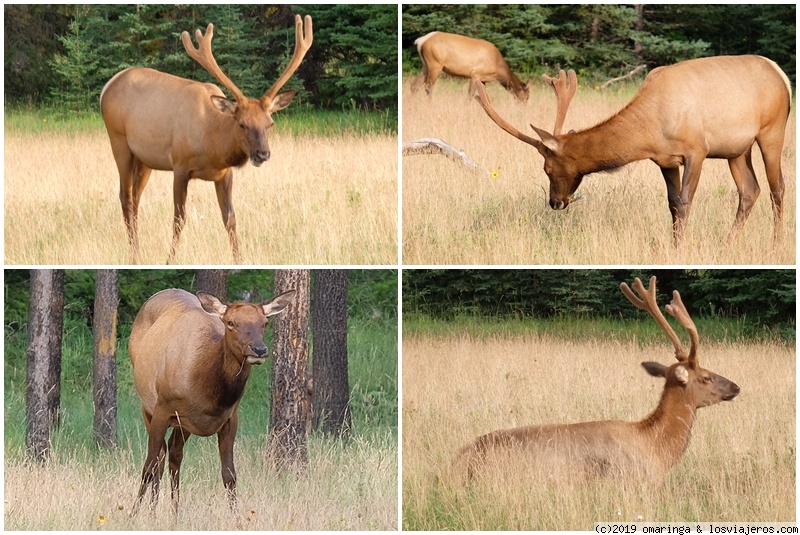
x: 629, y: 75
x: 432, y: 145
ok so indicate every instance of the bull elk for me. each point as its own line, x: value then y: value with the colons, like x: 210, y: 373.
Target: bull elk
x: 640, y: 451
x: 714, y: 107
x: 466, y: 57
x: 191, y: 359
x: 159, y: 121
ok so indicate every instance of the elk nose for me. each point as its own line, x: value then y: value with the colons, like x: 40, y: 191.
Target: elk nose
x: 557, y: 204
x: 260, y: 350
x: 259, y: 157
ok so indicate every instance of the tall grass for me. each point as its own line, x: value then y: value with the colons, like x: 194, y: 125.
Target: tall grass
x: 350, y: 485
x: 322, y: 199
x: 455, y: 215
x: 739, y: 466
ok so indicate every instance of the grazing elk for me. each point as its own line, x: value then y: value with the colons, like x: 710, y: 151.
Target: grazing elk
x: 159, y: 121
x: 640, y: 451
x: 466, y: 57
x: 191, y: 359
x: 714, y: 107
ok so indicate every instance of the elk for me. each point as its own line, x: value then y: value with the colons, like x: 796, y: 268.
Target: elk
x: 714, y: 107
x: 640, y: 451
x: 191, y: 357
x: 466, y: 57
x: 160, y: 121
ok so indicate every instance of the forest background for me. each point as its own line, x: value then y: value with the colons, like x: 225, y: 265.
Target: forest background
x: 62, y: 55
x: 602, y: 41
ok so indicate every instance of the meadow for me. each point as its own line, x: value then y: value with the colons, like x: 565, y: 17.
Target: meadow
x: 349, y: 485
x: 739, y: 465
x: 455, y: 215
x: 327, y: 196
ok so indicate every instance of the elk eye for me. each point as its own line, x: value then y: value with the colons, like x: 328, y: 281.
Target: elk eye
x: 231, y: 324
x: 241, y: 125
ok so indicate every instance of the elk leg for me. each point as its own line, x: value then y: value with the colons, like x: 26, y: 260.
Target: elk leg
x: 745, y: 179
x: 226, y: 436
x: 179, y: 189
x: 692, y: 166
x: 154, y: 463
x: 771, y: 147
x: 225, y: 199
x: 126, y: 166
x: 430, y: 79
x: 176, y: 442
x: 672, y: 177
x: 418, y: 79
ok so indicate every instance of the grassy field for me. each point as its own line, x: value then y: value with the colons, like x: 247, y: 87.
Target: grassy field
x: 739, y: 466
x: 348, y: 486
x: 327, y: 196
x: 455, y: 215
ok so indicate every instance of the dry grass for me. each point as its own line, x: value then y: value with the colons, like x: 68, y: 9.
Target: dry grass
x: 453, y: 215
x: 739, y: 466
x: 319, y: 200
x: 350, y: 488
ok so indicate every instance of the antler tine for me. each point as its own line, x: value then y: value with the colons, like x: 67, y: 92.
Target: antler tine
x: 647, y: 302
x: 564, y: 94
x: 203, y: 55
x: 483, y: 98
x: 677, y: 310
x: 303, y: 38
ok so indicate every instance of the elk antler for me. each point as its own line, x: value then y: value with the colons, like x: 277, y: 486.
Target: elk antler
x: 483, y: 98
x: 647, y: 302
x: 564, y: 94
x: 302, y: 42
x: 203, y: 55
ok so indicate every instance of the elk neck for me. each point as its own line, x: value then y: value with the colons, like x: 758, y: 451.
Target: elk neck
x: 229, y: 374
x: 619, y: 140
x: 669, y: 427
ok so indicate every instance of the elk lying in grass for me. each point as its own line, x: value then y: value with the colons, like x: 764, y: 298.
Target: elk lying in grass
x: 466, y: 57
x: 644, y: 450
x: 191, y: 359
x: 159, y: 121
x: 684, y: 113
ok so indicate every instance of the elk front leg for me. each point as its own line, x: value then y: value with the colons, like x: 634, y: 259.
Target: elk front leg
x: 672, y: 177
x: 179, y: 189
x: 226, y: 437
x: 225, y: 199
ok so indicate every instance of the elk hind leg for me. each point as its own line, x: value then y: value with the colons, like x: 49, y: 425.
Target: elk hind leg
x: 128, y: 168
x: 176, y: 442
x: 180, y: 187
x: 745, y: 179
x: 226, y: 436
x: 225, y: 199
x: 771, y: 147
x: 153, y: 468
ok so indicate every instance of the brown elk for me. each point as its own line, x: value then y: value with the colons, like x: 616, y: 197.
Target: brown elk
x: 466, y: 57
x: 191, y: 359
x: 714, y: 107
x: 159, y: 121
x: 641, y: 451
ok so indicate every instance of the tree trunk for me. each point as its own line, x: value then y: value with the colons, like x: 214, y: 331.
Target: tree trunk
x: 105, y: 358
x: 213, y: 281
x: 331, y: 398
x: 638, y: 26
x: 43, y: 382
x: 290, y: 417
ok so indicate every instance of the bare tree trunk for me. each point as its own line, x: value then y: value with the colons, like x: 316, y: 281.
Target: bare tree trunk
x: 213, y: 281
x: 43, y: 381
x: 331, y: 398
x: 638, y: 26
x: 105, y: 358
x: 290, y: 417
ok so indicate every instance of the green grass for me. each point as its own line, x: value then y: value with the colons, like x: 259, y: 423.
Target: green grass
x: 299, y: 121
x: 570, y: 328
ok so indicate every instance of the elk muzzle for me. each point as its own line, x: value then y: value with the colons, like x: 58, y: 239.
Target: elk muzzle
x: 558, y: 204
x: 257, y: 354
x: 260, y: 156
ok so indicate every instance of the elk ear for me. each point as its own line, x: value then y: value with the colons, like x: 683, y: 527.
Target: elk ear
x: 211, y: 304
x: 549, y: 140
x: 281, y: 101
x: 655, y: 369
x: 277, y: 304
x: 223, y: 104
